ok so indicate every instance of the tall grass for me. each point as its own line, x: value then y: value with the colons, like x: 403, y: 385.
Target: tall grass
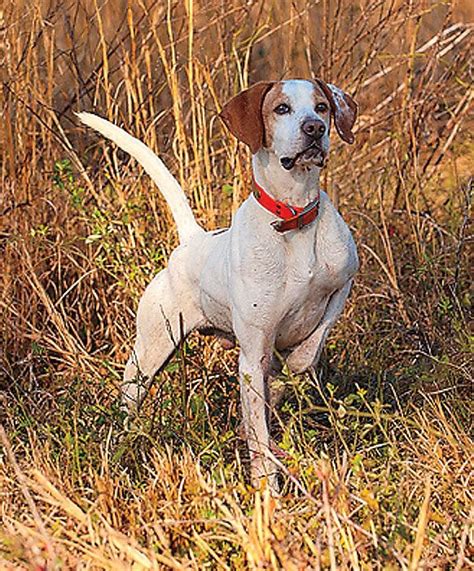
x: 378, y: 463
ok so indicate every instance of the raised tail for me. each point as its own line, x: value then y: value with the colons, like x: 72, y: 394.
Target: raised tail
x: 154, y: 166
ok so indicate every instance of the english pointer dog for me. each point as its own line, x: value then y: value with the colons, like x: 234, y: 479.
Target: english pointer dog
x: 278, y: 278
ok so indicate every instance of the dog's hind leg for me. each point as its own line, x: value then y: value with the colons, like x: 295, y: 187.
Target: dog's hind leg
x: 167, y: 313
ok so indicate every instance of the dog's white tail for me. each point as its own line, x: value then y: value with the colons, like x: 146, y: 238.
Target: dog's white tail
x: 154, y: 166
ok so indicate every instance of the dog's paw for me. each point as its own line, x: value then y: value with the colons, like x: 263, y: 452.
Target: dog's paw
x: 298, y: 362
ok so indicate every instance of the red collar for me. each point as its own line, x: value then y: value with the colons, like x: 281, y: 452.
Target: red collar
x: 292, y: 217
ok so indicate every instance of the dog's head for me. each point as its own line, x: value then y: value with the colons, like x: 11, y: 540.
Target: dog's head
x: 291, y: 119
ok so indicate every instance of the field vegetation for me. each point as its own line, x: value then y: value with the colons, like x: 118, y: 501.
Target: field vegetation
x: 379, y: 457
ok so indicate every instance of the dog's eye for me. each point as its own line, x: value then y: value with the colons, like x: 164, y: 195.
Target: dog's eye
x: 282, y: 109
x: 321, y: 108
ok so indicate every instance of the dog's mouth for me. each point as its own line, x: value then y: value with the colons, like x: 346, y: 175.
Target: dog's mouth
x: 310, y: 155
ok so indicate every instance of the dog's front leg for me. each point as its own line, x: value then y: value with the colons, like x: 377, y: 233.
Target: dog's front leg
x: 253, y: 367
x: 307, y: 354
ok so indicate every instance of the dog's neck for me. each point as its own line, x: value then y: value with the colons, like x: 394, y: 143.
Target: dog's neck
x: 297, y: 187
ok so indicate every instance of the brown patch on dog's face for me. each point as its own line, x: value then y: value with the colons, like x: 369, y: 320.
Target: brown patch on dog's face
x: 273, y: 98
x: 278, y: 103
x: 296, y: 117
x: 320, y: 97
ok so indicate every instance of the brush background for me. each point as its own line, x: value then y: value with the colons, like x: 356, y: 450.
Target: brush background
x: 379, y: 455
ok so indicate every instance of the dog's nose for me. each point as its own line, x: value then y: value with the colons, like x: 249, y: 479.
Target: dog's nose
x: 314, y: 128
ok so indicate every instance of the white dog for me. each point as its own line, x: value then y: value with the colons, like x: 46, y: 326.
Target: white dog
x: 277, y: 278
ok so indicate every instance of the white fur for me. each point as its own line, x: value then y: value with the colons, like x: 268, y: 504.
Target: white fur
x: 154, y: 166
x: 267, y: 289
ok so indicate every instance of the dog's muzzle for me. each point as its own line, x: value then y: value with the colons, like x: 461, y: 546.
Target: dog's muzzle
x: 313, y: 153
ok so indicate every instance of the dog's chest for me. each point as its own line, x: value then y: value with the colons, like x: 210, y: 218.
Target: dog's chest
x: 323, y: 263
x: 316, y: 269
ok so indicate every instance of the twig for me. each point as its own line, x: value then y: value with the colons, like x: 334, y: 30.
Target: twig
x: 26, y: 493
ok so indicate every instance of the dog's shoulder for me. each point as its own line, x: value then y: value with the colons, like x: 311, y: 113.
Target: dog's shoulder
x: 335, y: 243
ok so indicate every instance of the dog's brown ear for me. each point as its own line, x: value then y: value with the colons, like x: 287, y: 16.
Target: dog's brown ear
x: 343, y: 108
x: 243, y: 115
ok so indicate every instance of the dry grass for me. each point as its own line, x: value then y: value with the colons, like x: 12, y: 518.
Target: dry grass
x: 379, y: 468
